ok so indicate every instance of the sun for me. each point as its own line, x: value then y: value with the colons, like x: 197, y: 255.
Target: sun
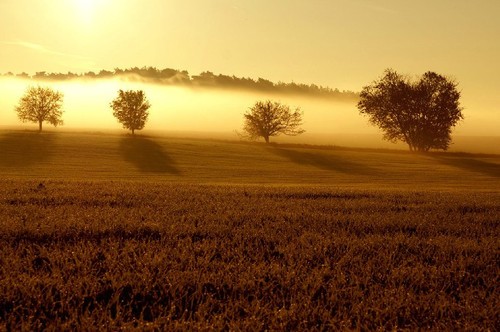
x: 86, y: 9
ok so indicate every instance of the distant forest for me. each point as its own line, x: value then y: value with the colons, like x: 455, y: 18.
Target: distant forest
x: 206, y: 79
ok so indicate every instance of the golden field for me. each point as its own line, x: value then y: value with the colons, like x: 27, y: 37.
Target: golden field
x: 111, y: 232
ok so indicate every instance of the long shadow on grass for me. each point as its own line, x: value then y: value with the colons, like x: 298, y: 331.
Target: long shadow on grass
x: 470, y: 164
x: 322, y: 161
x: 21, y: 149
x: 147, y: 155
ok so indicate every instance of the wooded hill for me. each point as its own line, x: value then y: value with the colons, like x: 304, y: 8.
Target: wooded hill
x: 205, y: 79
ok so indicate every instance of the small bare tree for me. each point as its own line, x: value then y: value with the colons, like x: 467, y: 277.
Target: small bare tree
x: 271, y: 118
x: 40, y: 104
x: 131, y: 109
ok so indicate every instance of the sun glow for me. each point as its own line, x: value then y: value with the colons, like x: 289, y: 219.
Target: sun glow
x: 86, y: 9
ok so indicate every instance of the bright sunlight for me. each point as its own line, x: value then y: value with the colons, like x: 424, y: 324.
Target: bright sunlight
x: 86, y: 9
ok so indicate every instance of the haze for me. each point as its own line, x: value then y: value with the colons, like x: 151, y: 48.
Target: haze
x: 86, y: 105
x: 212, y: 113
x: 341, y: 44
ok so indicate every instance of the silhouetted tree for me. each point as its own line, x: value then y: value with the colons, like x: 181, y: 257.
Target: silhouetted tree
x: 264, y: 84
x: 420, y: 113
x: 268, y: 118
x: 131, y: 109
x: 23, y: 75
x: 205, y: 79
x: 105, y: 73
x: 41, y: 104
x: 40, y: 75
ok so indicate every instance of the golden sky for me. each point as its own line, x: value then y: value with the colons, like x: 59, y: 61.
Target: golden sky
x: 343, y: 44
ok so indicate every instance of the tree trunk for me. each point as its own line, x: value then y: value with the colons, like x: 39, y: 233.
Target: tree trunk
x: 40, y: 125
x: 133, y: 131
x: 267, y: 139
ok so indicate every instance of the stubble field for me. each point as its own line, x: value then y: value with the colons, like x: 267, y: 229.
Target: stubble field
x: 109, y: 232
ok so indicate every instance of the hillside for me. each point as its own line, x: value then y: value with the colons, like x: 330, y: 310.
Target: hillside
x: 103, y: 156
x: 206, y: 79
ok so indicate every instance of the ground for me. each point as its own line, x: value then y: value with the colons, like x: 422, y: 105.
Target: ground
x: 155, y: 232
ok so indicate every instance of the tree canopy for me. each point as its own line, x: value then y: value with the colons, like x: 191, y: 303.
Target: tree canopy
x: 270, y: 118
x: 206, y: 79
x: 41, y: 104
x: 420, y: 113
x: 131, y: 109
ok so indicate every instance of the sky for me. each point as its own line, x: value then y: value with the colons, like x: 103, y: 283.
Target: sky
x: 343, y: 44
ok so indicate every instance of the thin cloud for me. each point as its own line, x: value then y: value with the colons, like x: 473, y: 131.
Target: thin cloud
x: 41, y: 49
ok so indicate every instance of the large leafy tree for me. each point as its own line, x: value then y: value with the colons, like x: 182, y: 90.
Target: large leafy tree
x: 131, y: 109
x: 41, y: 104
x: 271, y: 118
x: 420, y: 113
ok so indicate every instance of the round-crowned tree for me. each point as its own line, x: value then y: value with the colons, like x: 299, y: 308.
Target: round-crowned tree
x: 131, y: 109
x: 41, y: 104
x: 270, y: 118
x: 420, y: 113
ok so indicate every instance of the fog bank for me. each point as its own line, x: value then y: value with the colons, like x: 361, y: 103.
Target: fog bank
x: 216, y: 113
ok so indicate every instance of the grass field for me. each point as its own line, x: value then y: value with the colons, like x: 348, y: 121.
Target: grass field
x: 101, y: 231
x: 81, y: 156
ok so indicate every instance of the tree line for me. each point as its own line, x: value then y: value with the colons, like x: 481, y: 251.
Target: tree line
x: 419, y: 112
x: 205, y: 79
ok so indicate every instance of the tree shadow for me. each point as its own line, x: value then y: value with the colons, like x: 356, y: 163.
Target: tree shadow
x: 326, y: 162
x: 147, y: 155
x: 21, y: 149
x: 470, y: 164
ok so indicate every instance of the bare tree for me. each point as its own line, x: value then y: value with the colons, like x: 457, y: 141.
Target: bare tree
x: 41, y: 104
x: 271, y: 118
x: 420, y: 113
x: 131, y: 109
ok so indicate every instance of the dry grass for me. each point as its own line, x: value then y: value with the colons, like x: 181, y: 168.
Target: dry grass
x: 111, y: 232
x: 81, y: 156
x: 112, y: 255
